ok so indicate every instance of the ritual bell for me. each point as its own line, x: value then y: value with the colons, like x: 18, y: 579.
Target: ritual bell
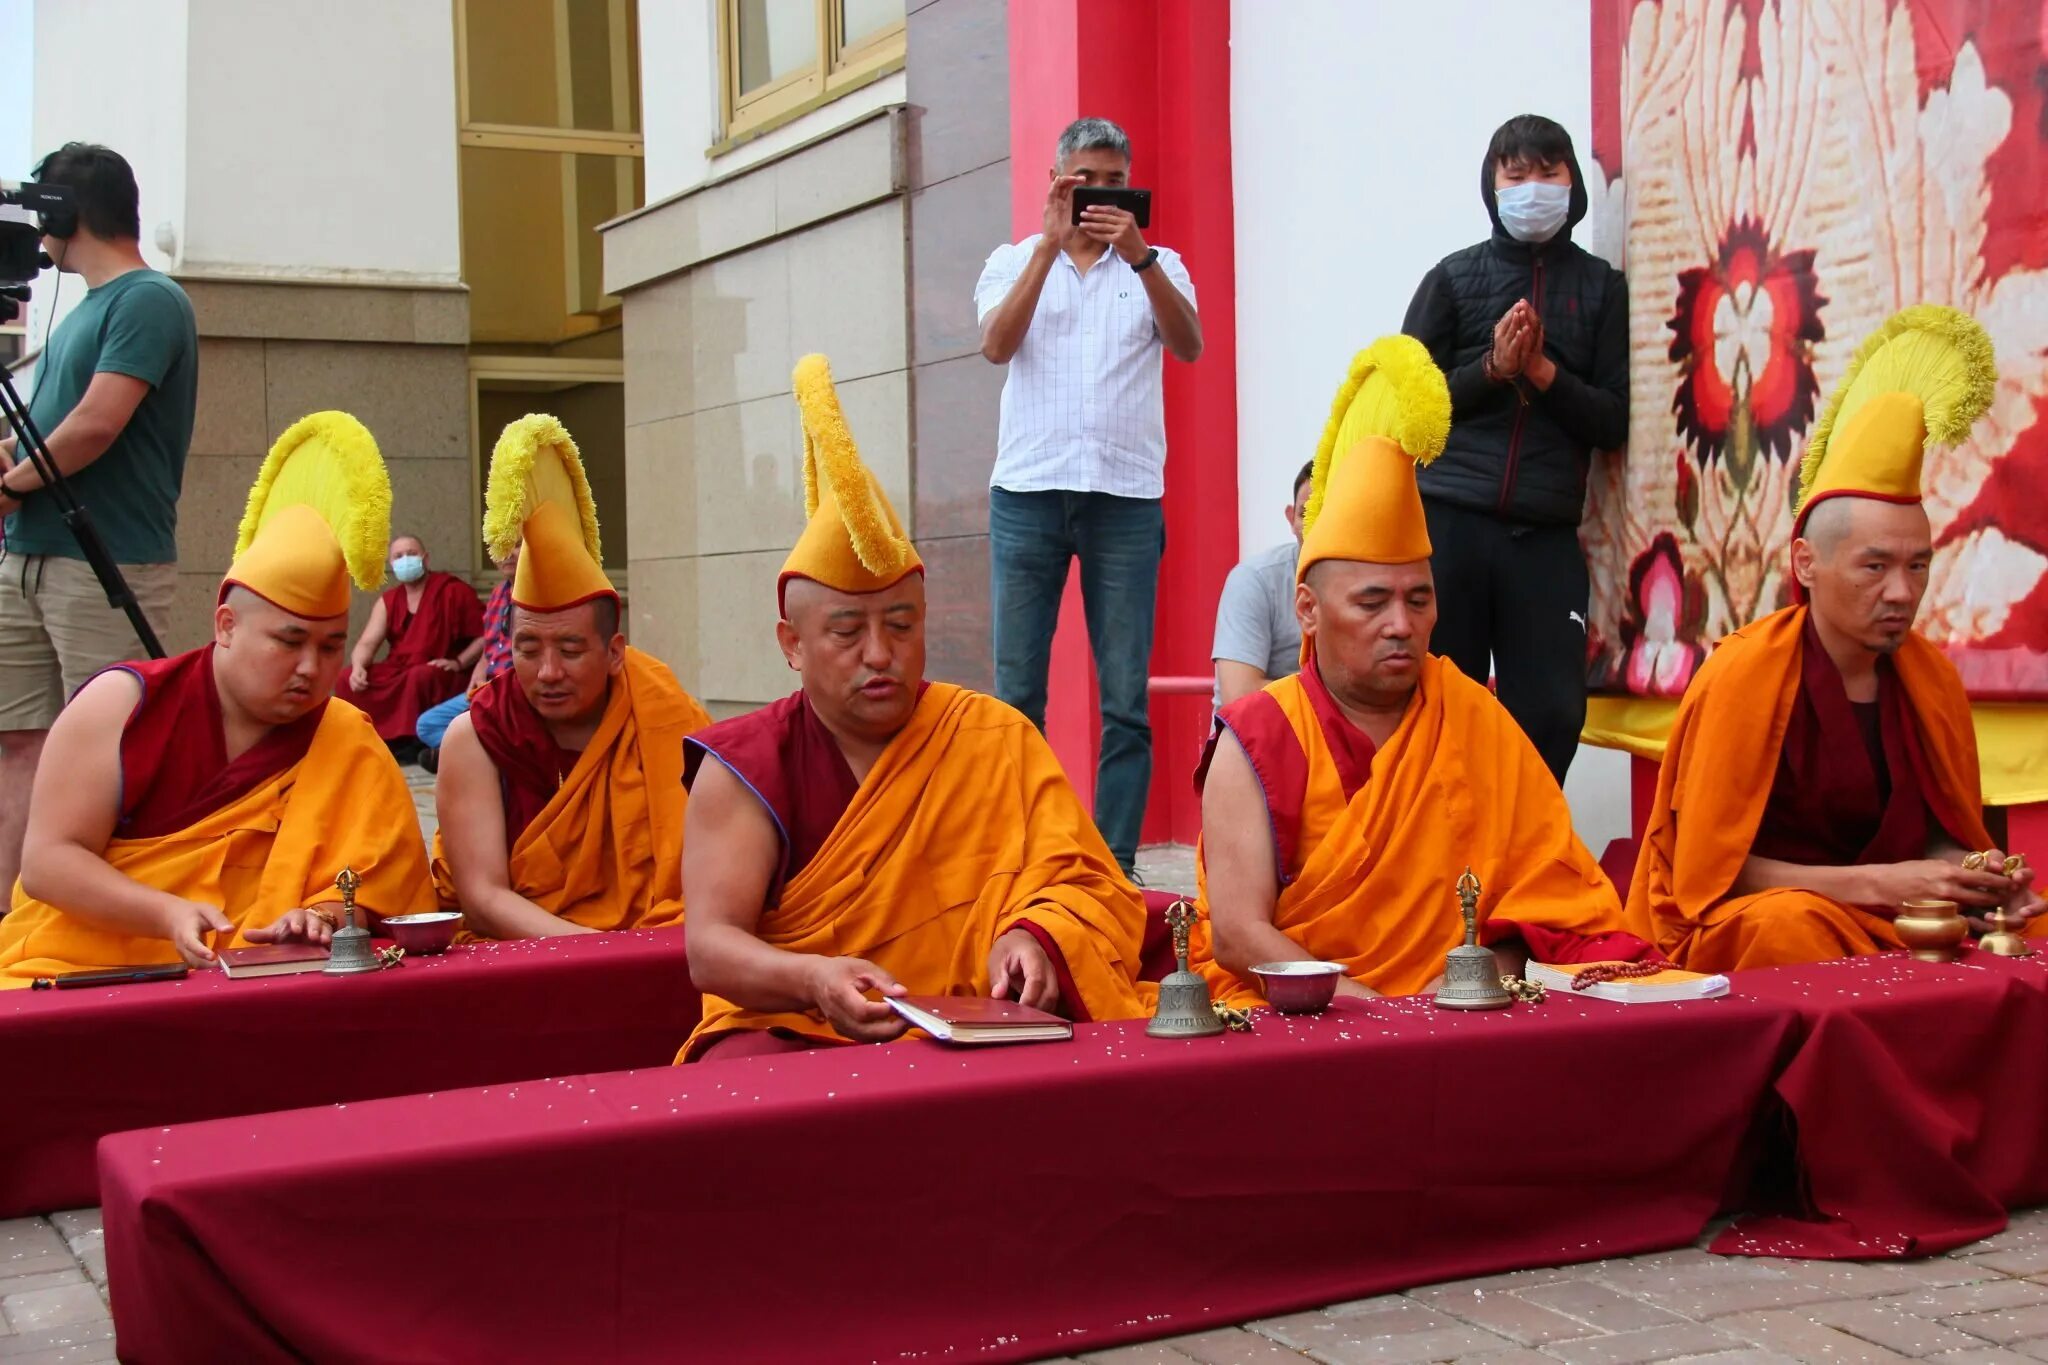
x: 1185, y: 1010
x: 350, y: 951
x: 1471, y: 973
x: 2004, y: 939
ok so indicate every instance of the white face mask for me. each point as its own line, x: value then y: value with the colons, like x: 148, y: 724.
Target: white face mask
x: 1533, y: 211
x: 408, y: 568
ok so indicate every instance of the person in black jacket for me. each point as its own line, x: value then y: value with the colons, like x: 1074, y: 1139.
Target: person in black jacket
x: 1531, y: 331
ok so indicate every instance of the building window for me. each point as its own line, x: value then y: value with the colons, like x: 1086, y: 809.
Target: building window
x: 781, y: 58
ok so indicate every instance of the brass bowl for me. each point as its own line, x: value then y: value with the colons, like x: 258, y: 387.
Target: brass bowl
x: 1932, y: 930
x: 424, y: 935
x: 1299, y: 987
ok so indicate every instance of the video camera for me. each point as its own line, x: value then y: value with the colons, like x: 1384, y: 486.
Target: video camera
x: 21, y: 244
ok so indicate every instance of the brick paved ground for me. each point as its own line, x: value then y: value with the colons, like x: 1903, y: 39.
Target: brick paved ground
x: 1985, y: 1305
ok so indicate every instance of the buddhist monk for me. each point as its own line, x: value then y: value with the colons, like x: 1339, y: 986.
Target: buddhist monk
x: 878, y: 834
x: 1341, y: 805
x: 434, y: 626
x: 1823, y: 769
x: 560, y: 792
x: 210, y: 799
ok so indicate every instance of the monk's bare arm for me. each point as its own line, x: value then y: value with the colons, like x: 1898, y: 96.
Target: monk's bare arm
x: 371, y: 640
x: 472, y: 815
x: 1879, y: 887
x: 73, y: 808
x: 730, y: 849
x: 1234, y: 680
x: 1239, y: 862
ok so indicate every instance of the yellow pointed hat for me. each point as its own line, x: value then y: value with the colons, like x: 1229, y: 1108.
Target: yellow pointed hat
x: 1391, y: 414
x: 854, y: 541
x: 539, y: 497
x: 1922, y: 379
x: 319, y: 514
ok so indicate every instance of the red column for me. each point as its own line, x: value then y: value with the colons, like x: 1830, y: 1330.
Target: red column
x: 1161, y: 69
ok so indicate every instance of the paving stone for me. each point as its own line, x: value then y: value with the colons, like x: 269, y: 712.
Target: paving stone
x: 82, y: 1353
x: 1507, y: 1358
x: 1147, y: 1353
x: 1346, y: 1347
x: 29, y: 1246
x: 1513, y: 1279
x: 1706, y: 1293
x: 2037, y: 1349
x: 1981, y: 1297
x: 1599, y: 1306
x: 1636, y: 1348
x: 1889, y: 1325
x: 2018, y: 1260
x: 1937, y: 1271
x: 75, y: 1224
x: 1847, y: 1279
x: 1234, y: 1346
x: 2004, y: 1325
x: 1984, y: 1355
x: 1395, y: 1315
x: 1796, y: 1333
x: 1748, y: 1356
x: 57, y: 1307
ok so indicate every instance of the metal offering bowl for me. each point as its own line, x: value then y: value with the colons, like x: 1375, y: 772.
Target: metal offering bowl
x: 424, y: 935
x: 1299, y: 987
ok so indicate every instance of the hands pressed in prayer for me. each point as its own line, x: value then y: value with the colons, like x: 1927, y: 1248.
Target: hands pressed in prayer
x: 296, y: 926
x: 1019, y: 970
x: 1518, y: 332
x: 1893, y: 884
x: 839, y: 987
x: 188, y: 924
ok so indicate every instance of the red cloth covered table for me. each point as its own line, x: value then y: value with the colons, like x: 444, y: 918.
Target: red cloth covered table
x: 81, y: 1064
x: 1919, y: 1095
x: 917, y: 1202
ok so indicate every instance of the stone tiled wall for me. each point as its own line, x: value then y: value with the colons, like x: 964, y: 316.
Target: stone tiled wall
x: 272, y: 352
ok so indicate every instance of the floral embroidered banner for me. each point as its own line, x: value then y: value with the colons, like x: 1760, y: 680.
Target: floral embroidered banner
x: 1779, y: 177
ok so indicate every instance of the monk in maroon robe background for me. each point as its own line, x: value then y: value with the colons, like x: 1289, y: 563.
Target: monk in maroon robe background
x: 434, y: 624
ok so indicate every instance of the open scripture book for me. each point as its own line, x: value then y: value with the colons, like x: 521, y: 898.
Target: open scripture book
x: 969, y: 1019
x: 1669, y: 984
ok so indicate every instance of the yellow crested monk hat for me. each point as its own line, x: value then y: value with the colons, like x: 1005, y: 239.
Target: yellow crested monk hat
x: 319, y: 515
x: 1392, y: 413
x: 854, y: 541
x: 539, y: 497
x: 1922, y: 379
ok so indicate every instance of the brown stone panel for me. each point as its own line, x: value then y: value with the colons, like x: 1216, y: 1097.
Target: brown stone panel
x: 326, y: 312
x: 958, y: 79
x: 956, y: 611
x: 954, y: 225
x: 230, y: 418
x: 954, y: 407
x: 414, y: 399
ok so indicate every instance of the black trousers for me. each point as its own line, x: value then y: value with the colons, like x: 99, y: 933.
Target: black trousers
x: 1515, y: 596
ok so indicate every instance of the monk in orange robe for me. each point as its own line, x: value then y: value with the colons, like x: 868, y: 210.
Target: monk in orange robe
x: 1341, y: 805
x: 210, y: 799
x: 434, y: 626
x: 1823, y: 767
x: 560, y: 792
x: 876, y: 833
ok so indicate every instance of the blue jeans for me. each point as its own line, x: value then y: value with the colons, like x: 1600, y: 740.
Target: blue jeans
x: 435, y: 720
x: 1032, y: 538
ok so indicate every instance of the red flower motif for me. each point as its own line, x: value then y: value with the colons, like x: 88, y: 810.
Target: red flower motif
x: 1687, y: 494
x: 1658, y: 660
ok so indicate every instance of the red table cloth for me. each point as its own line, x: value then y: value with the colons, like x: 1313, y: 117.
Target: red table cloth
x: 917, y: 1202
x: 1919, y: 1098
x: 82, y: 1064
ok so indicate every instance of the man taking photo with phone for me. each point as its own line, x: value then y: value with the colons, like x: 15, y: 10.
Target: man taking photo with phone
x: 1081, y: 312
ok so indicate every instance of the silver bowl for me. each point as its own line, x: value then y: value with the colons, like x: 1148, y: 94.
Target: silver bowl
x: 424, y: 935
x: 1299, y: 987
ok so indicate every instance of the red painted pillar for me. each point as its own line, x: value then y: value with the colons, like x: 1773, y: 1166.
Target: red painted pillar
x: 1161, y: 69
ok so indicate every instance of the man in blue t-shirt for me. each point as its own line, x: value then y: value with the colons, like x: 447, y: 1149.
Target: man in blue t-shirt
x: 113, y: 398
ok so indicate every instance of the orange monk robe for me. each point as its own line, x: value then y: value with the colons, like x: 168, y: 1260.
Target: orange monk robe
x: 1370, y: 845
x: 1719, y: 772
x: 596, y: 837
x: 273, y: 849
x: 963, y: 830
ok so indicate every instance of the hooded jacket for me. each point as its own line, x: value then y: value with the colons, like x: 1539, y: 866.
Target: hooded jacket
x: 1515, y: 451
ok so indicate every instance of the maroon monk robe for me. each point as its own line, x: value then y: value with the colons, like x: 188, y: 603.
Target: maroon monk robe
x: 175, y: 768
x: 405, y: 682
x: 1852, y: 776
x: 531, y: 766
x: 1280, y: 764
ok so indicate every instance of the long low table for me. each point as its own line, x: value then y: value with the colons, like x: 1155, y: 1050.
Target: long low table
x: 920, y: 1202
x: 82, y: 1064
x: 1918, y: 1100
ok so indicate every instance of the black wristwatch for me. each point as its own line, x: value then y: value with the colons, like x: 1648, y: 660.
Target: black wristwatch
x: 1141, y: 266
x: 9, y: 493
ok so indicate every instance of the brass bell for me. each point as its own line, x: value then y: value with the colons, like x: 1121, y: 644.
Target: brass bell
x: 2003, y: 940
x: 1471, y: 975
x: 1185, y: 1010
x: 350, y: 952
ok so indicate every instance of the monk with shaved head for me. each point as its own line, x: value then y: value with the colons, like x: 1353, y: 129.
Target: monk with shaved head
x: 876, y: 834
x: 1823, y: 767
x: 210, y: 800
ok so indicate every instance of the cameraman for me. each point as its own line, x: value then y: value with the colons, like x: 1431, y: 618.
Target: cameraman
x: 113, y: 398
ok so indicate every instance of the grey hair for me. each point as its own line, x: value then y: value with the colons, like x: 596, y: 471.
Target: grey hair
x: 1091, y: 135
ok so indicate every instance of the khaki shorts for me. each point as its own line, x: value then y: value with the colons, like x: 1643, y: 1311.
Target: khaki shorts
x: 56, y: 630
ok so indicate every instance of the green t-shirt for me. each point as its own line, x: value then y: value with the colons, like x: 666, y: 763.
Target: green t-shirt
x: 137, y: 324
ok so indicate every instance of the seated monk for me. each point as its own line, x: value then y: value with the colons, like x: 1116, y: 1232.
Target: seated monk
x: 1341, y: 805
x: 434, y: 626
x: 1823, y: 769
x: 210, y: 799
x: 876, y: 832
x: 560, y: 792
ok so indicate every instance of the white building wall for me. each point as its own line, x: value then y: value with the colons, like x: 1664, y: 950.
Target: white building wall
x: 1357, y: 131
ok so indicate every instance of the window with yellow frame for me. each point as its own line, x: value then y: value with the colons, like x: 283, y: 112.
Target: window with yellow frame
x: 782, y: 58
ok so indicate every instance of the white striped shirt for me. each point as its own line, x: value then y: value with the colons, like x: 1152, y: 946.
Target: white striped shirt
x: 1082, y: 407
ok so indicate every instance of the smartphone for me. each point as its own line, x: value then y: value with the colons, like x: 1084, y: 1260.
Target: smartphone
x: 114, y: 976
x: 1137, y: 203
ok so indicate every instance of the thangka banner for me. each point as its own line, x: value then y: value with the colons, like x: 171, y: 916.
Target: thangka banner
x: 1780, y: 177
